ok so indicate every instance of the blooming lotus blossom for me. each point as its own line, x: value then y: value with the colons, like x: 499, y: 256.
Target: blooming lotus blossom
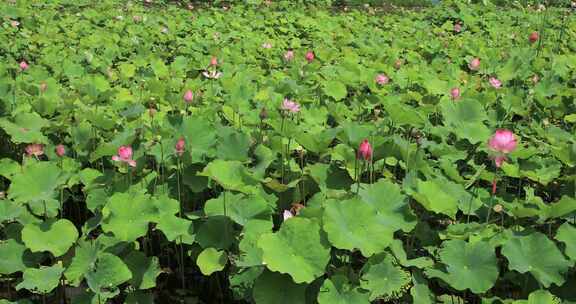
x: 365, y: 150
x: 457, y: 28
x: 502, y: 142
x: 287, y: 214
x: 125, y: 155
x: 214, y: 61
x: 212, y: 74
x: 455, y: 93
x: 382, y: 79
x: 266, y: 45
x: 188, y: 96
x: 474, y: 64
x: 533, y: 37
x: 60, y: 150
x: 290, y: 106
x: 495, y: 83
x: 309, y: 56
x: 289, y: 55
x: 24, y: 65
x: 35, y: 150
x: 180, y: 146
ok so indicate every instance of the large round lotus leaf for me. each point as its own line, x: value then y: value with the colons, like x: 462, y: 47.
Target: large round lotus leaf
x: 273, y: 287
x: 108, y: 272
x: 36, y: 182
x: 567, y: 234
x: 127, y: 215
x: 26, y: 128
x: 238, y: 207
x: 41, y: 280
x: 12, y: 254
x: 297, y: 249
x: 335, y: 89
x: 250, y: 253
x: 435, y: 198
x: 468, y: 265
x: 231, y: 175
x: 217, y: 232
x: 384, y: 279
x: 211, y: 260
x: 346, y: 231
x: 53, y: 236
x: 242, y: 281
x: 144, y: 269
x: 173, y: 227
x: 537, y: 254
x: 85, y: 254
x: 390, y: 204
x: 337, y: 290
x: 540, y: 297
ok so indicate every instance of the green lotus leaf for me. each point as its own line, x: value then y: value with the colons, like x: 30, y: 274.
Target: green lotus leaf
x: 238, y: 207
x: 567, y: 235
x: 420, y: 292
x: 537, y: 254
x: 173, y: 227
x: 390, y: 204
x: 273, y: 287
x: 217, y: 232
x: 231, y: 175
x: 36, y: 183
x: 433, y: 196
x: 540, y: 297
x: 53, y: 236
x: 335, y: 89
x: 199, y: 134
x: 211, y: 260
x: 13, y: 257
x: 127, y: 215
x: 337, y: 290
x: 144, y: 269
x: 468, y: 265
x: 250, y: 253
x: 41, y: 280
x: 384, y: 279
x: 26, y: 128
x: 9, y: 167
x: 233, y: 146
x: 242, y: 281
x: 108, y: 272
x: 345, y: 231
x: 297, y: 249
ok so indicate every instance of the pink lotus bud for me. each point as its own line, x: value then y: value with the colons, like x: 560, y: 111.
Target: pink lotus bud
x: 533, y: 37
x: 365, y: 150
x: 35, y: 150
x: 43, y: 87
x: 495, y: 83
x: 455, y: 93
x: 24, y: 65
x: 180, y: 146
x: 503, y: 141
x: 125, y: 155
x: 309, y: 56
x: 60, y: 150
x: 14, y: 23
x: 457, y: 28
x: 213, y: 61
x: 474, y: 64
x: 382, y: 79
x: 287, y: 214
x: 289, y: 55
x: 188, y: 96
x: 398, y: 64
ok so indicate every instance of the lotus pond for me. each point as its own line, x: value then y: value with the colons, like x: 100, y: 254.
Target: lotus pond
x: 271, y: 152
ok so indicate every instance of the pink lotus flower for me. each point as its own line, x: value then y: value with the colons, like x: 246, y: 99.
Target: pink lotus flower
x: 213, y: 61
x: 35, y: 150
x: 24, y: 65
x: 290, y: 106
x: 474, y: 64
x: 365, y: 150
x: 287, y: 214
x: 289, y: 55
x: 266, y: 45
x: 457, y: 27
x: 188, y: 96
x: 125, y: 155
x: 60, y: 150
x: 495, y: 83
x: 212, y: 74
x: 309, y: 56
x: 382, y: 79
x: 180, y: 146
x: 455, y: 93
x: 502, y: 142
